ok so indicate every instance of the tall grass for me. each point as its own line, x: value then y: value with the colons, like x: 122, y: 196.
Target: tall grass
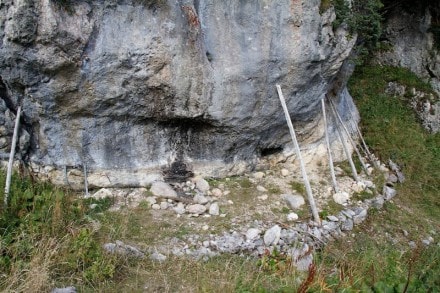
x: 46, y: 239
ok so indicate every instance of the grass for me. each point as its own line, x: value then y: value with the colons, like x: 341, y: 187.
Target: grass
x: 378, y: 258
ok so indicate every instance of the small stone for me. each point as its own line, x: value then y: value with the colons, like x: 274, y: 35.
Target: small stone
x: 293, y: 201
x: 230, y: 202
x: 412, y: 244
x: 347, y: 225
x: 70, y: 289
x: 259, y: 175
x: 292, y: 217
x: 261, y: 188
x: 214, y: 209
x: 163, y: 205
x: 388, y: 192
x: 155, y: 207
x: 392, y: 178
x: 196, y: 209
x: 332, y: 218
x: 202, y: 184
x: 205, y: 227
x: 359, y: 186
x: 163, y: 189
x: 200, y: 199
x: 263, y: 197
x: 378, y: 202
x: 284, y: 172
x: 103, y: 193
x: 405, y: 233
x: 252, y: 234
x: 180, y: 208
x: 359, y: 218
x: 93, y: 206
x: 272, y: 236
x: 222, y: 215
x: 151, y: 200
x: 341, y: 197
x: 216, y: 192
x: 156, y: 256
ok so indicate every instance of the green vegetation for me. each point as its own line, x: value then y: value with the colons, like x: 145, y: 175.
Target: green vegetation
x: 48, y: 235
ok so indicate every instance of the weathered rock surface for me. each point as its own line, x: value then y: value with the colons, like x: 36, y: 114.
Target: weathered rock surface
x: 128, y: 88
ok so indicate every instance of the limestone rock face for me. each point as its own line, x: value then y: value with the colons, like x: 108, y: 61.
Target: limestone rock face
x: 128, y: 88
x: 412, y: 43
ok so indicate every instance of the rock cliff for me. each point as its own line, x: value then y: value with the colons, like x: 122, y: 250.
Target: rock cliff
x: 133, y: 88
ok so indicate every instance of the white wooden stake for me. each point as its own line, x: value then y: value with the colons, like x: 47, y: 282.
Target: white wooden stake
x: 11, y: 156
x: 349, y: 136
x: 298, y: 152
x: 329, y: 151
x: 347, y: 153
x: 86, y: 187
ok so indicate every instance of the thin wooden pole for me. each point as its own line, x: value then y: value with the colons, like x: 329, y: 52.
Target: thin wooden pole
x: 347, y: 153
x: 86, y: 187
x: 349, y: 136
x: 11, y: 156
x: 298, y: 152
x: 329, y: 151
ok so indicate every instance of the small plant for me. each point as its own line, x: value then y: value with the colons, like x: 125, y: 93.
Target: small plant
x: 298, y: 187
x: 275, y: 262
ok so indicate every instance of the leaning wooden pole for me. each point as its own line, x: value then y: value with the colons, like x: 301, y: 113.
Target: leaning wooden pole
x: 347, y: 153
x: 349, y: 136
x: 11, y: 156
x: 329, y: 151
x: 298, y: 152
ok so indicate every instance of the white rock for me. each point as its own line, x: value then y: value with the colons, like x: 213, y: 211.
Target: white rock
x: 359, y: 186
x: 341, y: 197
x: 284, y: 172
x: 272, y: 236
x: 103, y: 193
x: 202, y: 184
x: 252, y: 234
x: 226, y: 192
x: 163, y: 189
x: 261, y: 188
x: 163, y: 205
x: 196, y: 209
x: 151, y: 200
x: 262, y: 197
x: 155, y: 206
x: 333, y: 218
x: 388, y: 192
x: 158, y: 257
x: 293, y: 201
x: 216, y: 192
x: 214, y: 209
x: 180, y: 208
x: 205, y: 227
x: 292, y: 217
x: 200, y: 199
x: 258, y: 175
x: 230, y: 202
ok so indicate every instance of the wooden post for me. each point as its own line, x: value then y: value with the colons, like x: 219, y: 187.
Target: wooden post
x: 298, y: 152
x: 11, y: 156
x: 327, y: 141
x: 349, y: 137
x: 347, y: 153
x: 86, y: 187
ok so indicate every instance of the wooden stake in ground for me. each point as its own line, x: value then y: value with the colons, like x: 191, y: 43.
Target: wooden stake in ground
x: 348, y: 136
x: 11, y: 156
x: 327, y: 141
x: 86, y: 187
x: 298, y: 152
x: 347, y: 153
